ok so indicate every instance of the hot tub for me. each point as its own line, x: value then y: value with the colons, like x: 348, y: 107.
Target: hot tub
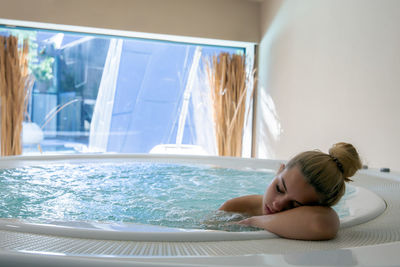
x: 97, y: 240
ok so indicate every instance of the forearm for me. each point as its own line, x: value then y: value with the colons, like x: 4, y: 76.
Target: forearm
x: 306, y: 223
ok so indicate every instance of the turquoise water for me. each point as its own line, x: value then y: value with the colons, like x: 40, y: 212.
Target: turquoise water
x: 184, y: 196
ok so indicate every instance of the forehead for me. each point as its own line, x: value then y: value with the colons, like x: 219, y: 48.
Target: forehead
x: 297, y: 186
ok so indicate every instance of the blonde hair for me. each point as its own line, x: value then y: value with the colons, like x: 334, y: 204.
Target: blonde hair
x: 327, y: 173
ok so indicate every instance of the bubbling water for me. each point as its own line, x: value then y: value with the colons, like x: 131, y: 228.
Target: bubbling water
x: 173, y: 195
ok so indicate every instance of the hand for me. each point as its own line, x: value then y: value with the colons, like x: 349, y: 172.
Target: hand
x: 246, y: 222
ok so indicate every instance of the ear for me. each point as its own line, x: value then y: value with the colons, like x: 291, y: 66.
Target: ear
x: 281, y: 168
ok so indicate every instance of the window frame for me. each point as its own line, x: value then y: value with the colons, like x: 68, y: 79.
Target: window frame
x: 249, y: 48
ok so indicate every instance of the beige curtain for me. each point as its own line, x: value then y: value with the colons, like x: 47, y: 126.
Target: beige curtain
x: 229, y: 87
x: 14, y: 83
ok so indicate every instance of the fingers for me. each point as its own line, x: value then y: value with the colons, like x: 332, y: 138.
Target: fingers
x: 246, y: 222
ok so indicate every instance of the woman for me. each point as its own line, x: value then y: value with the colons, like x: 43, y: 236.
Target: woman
x: 297, y: 204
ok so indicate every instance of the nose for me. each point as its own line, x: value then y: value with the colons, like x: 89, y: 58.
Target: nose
x: 279, y: 205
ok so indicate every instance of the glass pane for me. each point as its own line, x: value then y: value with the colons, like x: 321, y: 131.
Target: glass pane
x: 100, y: 93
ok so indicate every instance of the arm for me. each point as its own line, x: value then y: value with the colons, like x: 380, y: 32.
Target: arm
x: 305, y: 223
x: 250, y: 205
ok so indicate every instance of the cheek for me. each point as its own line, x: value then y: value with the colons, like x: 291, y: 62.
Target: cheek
x: 270, y: 192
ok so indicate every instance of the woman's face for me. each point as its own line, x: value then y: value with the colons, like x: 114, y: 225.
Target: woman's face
x: 288, y: 190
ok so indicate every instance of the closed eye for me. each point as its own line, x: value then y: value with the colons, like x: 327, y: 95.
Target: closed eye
x: 278, y: 189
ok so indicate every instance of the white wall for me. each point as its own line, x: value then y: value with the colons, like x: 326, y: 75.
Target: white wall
x: 236, y: 20
x: 329, y: 71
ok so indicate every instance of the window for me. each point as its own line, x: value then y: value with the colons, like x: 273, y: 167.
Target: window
x: 116, y: 94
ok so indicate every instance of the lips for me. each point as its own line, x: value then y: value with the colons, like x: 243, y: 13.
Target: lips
x: 268, y: 210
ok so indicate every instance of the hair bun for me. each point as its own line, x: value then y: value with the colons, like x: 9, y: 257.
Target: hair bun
x: 348, y: 158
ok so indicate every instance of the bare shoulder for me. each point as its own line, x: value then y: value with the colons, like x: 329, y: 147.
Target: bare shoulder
x: 323, y: 213
x: 304, y: 223
x: 324, y: 221
x: 327, y: 216
x: 250, y: 204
